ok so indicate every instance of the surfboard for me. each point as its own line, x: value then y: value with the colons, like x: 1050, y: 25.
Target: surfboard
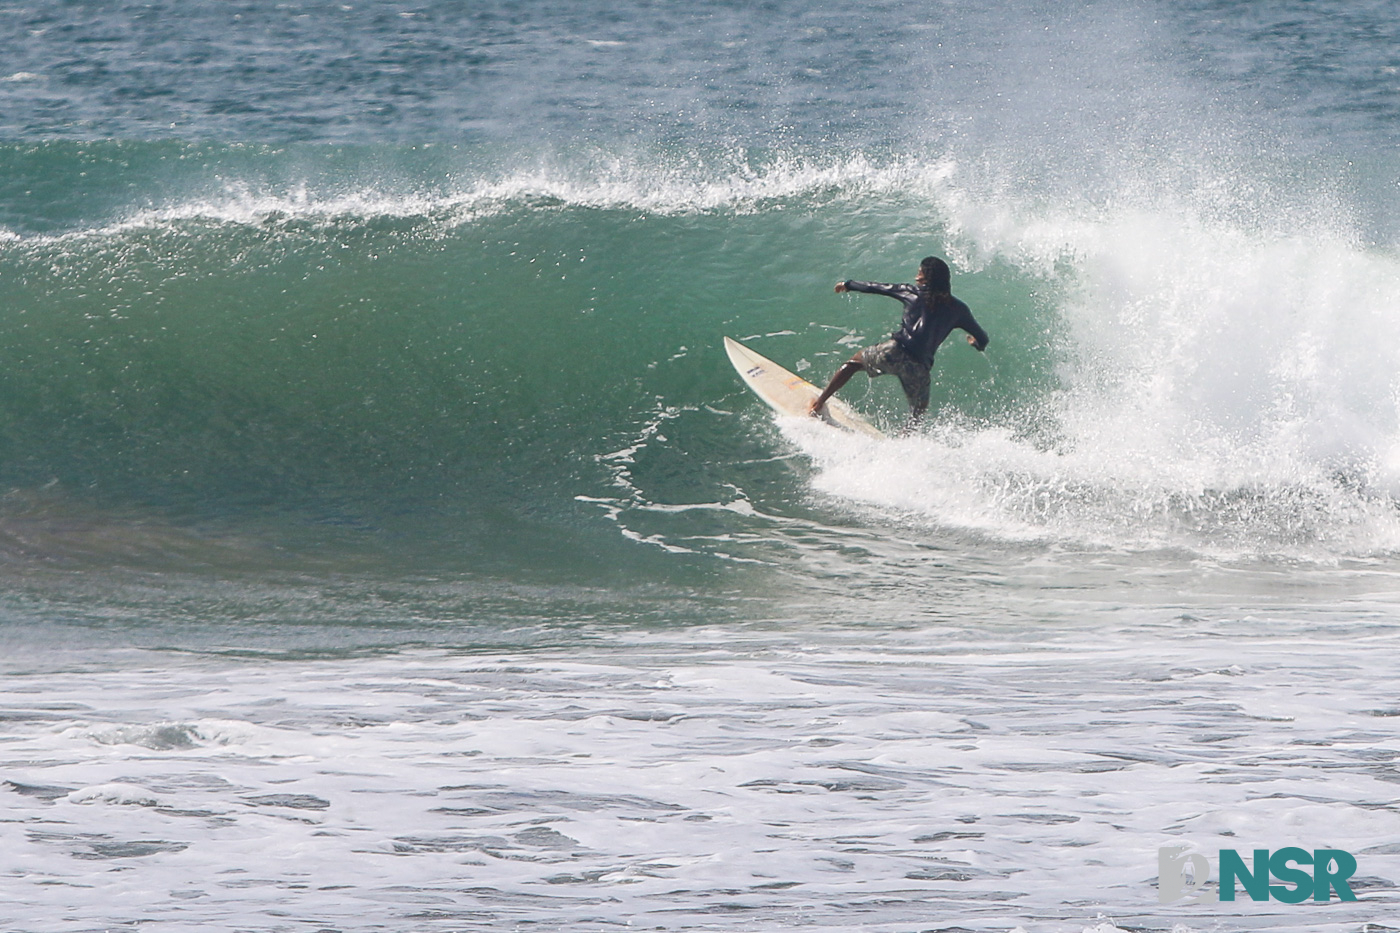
x: 788, y: 393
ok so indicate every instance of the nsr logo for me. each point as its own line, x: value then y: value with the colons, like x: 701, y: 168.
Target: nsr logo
x: 1181, y: 875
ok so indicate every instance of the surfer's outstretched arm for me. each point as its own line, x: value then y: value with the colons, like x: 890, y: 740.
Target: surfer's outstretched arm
x: 875, y: 288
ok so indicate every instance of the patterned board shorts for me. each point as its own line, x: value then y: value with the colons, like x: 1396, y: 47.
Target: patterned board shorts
x: 889, y: 358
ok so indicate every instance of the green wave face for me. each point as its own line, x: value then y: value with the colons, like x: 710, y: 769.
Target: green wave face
x: 450, y: 353
x: 470, y: 355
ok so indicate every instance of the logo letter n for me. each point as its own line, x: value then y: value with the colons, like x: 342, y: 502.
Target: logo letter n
x: 1256, y: 883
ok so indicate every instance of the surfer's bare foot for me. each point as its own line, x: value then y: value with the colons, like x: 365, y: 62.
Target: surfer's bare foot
x: 815, y: 408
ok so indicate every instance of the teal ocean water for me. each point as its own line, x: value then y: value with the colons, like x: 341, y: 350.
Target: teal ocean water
x: 386, y: 542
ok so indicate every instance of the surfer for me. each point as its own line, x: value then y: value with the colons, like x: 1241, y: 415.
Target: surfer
x: 930, y: 314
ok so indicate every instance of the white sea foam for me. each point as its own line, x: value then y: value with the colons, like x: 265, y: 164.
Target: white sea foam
x: 707, y: 779
x: 115, y: 793
x: 1227, y: 383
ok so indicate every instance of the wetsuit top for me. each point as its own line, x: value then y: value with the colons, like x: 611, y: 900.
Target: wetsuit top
x: 927, y: 320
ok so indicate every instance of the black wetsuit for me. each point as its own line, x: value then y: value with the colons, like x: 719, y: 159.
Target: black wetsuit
x: 928, y: 318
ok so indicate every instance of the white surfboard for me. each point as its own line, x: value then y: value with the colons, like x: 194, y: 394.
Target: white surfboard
x: 788, y: 393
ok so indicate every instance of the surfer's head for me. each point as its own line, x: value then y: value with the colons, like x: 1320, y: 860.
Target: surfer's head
x: 933, y: 273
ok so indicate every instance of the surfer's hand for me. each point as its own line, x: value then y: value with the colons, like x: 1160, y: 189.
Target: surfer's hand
x: 840, y: 287
x: 972, y: 341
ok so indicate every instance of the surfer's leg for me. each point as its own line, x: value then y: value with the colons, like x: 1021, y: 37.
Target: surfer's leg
x: 915, y: 380
x: 843, y: 375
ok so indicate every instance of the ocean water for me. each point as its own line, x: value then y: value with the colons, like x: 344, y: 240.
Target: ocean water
x: 386, y: 542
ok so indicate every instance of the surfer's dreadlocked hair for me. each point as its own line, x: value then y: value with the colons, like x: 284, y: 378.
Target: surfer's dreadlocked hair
x: 937, y: 278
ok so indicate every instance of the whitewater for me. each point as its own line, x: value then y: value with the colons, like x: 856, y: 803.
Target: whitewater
x: 387, y: 544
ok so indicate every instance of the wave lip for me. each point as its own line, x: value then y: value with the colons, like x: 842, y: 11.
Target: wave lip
x: 448, y: 196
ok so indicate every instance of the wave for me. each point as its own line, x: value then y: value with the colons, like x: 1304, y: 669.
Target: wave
x: 1173, y: 364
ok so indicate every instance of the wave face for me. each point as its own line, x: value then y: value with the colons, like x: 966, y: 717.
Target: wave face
x: 439, y: 326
